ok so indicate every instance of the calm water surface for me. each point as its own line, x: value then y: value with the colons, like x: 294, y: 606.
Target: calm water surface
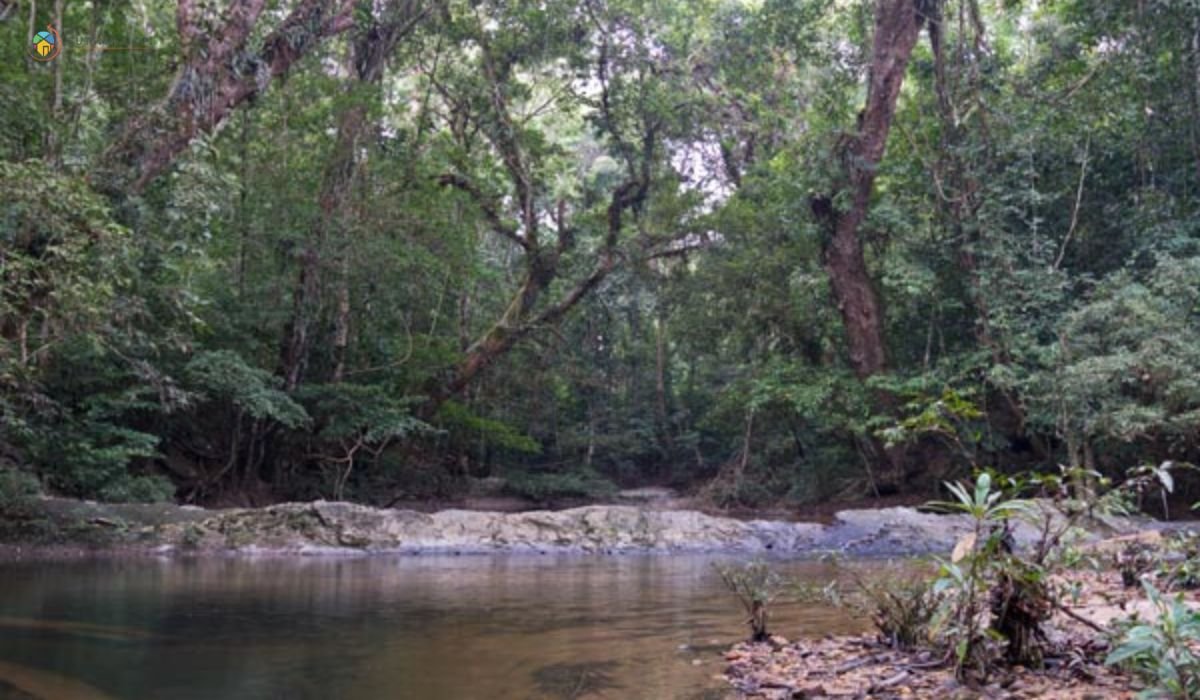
x: 495, y: 627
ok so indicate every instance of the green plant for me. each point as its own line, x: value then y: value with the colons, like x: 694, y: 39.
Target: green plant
x: 222, y: 375
x: 1148, y: 478
x: 91, y: 459
x: 1162, y: 650
x: 460, y: 420
x: 757, y: 587
x: 983, y: 561
x: 546, y: 487
x: 18, y: 491
x: 901, y: 606
x: 357, y: 424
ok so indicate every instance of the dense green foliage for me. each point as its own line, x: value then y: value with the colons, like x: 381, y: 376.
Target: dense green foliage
x: 584, y: 244
x: 1160, y: 650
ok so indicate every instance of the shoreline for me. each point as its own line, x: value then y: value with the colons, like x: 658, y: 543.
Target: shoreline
x: 868, y: 665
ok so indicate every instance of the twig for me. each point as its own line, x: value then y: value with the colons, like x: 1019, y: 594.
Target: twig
x: 1077, y: 617
x: 1062, y: 251
x: 934, y: 663
x: 856, y: 663
x: 888, y: 683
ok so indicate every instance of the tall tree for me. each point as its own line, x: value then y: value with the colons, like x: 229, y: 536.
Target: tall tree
x: 547, y: 229
x: 897, y: 28
x: 373, y: 42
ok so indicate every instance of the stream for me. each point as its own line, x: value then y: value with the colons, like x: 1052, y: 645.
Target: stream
x: 499, y: 627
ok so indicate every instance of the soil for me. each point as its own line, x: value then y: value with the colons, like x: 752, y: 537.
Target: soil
x: 868, y: 667
x: 863, y: 667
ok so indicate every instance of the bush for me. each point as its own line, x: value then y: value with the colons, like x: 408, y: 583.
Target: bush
x: 757, y: 588
x: 1162, y: 651
x: 18, y: 491
x: 398, y: 477
x: 743, y: 493
x: 138, y: 489
x: 901, y: 606
x: 543, y: 487
x: 90, y: 459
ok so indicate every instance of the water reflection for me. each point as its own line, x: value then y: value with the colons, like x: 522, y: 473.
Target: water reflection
x: 415, y: 627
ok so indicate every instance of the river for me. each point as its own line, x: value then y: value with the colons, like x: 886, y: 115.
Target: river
x: 498, y: 627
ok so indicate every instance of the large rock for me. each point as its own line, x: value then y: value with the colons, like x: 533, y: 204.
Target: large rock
x: 325, y: 527
x: 322, y: 526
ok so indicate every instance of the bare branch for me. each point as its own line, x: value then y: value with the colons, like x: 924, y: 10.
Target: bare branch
x: 486, y: 205
x: 1062, y: 251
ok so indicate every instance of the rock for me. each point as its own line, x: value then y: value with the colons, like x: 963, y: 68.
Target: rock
x: 325, y: 527
x: 649, y: 494
x: 1151, y: 539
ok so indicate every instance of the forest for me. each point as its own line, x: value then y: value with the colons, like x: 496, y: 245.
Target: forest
x: 769, y: 252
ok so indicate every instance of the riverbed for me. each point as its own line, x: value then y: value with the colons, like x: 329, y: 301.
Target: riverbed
x: 429, y: 627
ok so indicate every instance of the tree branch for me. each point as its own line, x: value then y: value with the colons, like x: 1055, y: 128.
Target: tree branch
x: 486, y: 205
x: 212, y: 82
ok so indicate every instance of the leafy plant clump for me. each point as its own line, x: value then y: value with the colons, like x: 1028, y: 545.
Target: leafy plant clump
x: 1163, y: 650
x: 18, y: 491
x: 548, y: 487
x: 994, y: 600
x: 901, y: 606
x: 757, y: 587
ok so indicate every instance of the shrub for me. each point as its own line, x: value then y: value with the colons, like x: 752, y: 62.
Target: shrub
x: 1162, y: 651
x: 18, y: 491
x: 900, y: 605
x: 757, y: 588
x: 544, y: 487
x: 138, y: 489
x: 984, y: 575
x: 90, y: 459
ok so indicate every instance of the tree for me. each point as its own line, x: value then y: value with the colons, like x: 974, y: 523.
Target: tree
x: 897, y: 27
x: 216, y: 76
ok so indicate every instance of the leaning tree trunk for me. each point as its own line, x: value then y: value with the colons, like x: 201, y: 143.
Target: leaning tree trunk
x: 218, y: 73
x: 897, y: 26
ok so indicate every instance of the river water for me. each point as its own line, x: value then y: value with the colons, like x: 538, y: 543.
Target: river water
x: 495, y: 627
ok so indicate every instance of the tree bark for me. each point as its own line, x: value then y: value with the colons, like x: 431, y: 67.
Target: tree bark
x: 519, y: 319
x: 214, y: 79
x: 897, y: 27
x: 660, y: 385
x: 54, y: 136
x: 542, y: 257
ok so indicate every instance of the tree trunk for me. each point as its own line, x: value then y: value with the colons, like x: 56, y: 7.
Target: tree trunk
x: 897, y: 27
x: 54, y: 136
x: 519, y: 319
x: 365, y: 62
x: 341, y: 322
x: 542, y: 258
x: 306, y: 295
x: 660, y: 386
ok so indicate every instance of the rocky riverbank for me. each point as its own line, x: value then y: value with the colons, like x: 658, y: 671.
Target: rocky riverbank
x: 1076, y: 643
x: 862, y: 667
x: 343, y: 528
